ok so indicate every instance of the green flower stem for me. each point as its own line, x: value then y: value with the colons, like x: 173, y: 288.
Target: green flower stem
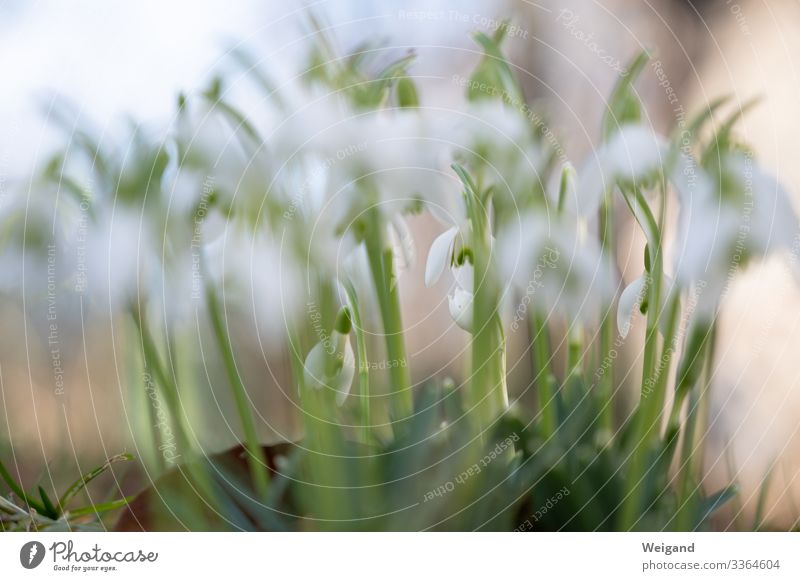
x: 691, y: 458
x: 255, y: 454
x: 195, y: 472
x: 689, y: 369
x: 605, y: 384
x: 363, y: 362
x: 545, y: 380
x: 325, y: 488
x: 169, y: 388
x: 381, y: 261
x: 575, y: 351
x: 690, y: 461
x: 646, y: 426
x: 647, y: 421
x: 488, y: 394
x: 135, y: 378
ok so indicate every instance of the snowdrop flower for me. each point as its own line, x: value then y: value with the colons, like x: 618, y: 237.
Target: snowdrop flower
x: 209, y: 154
x: 556, y: 267
x: 331, y: 363
x: 391, y: 159
x: 451, y: 249
x: 118, y: 252
x: 633, y: 156
x: 634, y: 297
x: 500, y: 141
x: 254, y: 274
x: 735, y: 213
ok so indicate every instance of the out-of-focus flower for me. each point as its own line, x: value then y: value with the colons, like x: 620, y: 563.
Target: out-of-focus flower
x: 257, y: 278
x: 391, y: 159
x: 633, y: 156
x: 331, y: 362
x: 558, y: 268
x: 210, y: 153
x: 499, y: 145
x: 119, y: 254
x: 730, y: 214
x: 634, y: 297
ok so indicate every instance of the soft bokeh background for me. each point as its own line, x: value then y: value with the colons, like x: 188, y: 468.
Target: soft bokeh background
x: 117, y: 59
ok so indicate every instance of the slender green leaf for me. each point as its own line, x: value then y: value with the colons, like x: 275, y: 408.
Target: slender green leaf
x: 84, y: 480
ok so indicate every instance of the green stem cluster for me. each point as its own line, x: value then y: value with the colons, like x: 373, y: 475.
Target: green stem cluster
x: 487, y: 392
x: 384, y: 276
x: 651, y: 445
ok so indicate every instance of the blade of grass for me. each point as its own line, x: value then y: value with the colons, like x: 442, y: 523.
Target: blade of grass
x: 98, y: 509
x: 17, y: 489
x: 85, y: 479
x: 255, y: 454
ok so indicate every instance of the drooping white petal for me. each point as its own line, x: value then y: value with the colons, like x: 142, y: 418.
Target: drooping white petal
x: 630, y: 299
x: 460, y: 303
x: 439, y: 256
x: 317, y: 362
x: 402, y: 243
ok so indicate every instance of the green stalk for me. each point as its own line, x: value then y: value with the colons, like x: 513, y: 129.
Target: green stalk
x: 645, y: 427
x: 381, y: 261
x: 255, y: 454
x: 574, y: 351
x: 136, y: 372
x: 690, y: 463
x: 606, y: 380
x: 363, y: 362
x: 689, y: 369
x: 543, y: 373
x: 647, y: 221
x: 152, y: 361
x: 488, y: 394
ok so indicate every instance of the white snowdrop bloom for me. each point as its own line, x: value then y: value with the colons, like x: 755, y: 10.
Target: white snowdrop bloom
x: 555, y: 267
x: 450, y: 249
x: 498, y: 139
x: 312, y: 223
x: 176, y: 282
x: 405, y: 157
x: 739, y: 213
x: 391, y: 159
x: 258, y: 278
x: 119, y: 253
x: 331, y: 364
x: 634, y: 155
x: 314, y: 121
x: 208, y: 152
x: 634, y: 296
